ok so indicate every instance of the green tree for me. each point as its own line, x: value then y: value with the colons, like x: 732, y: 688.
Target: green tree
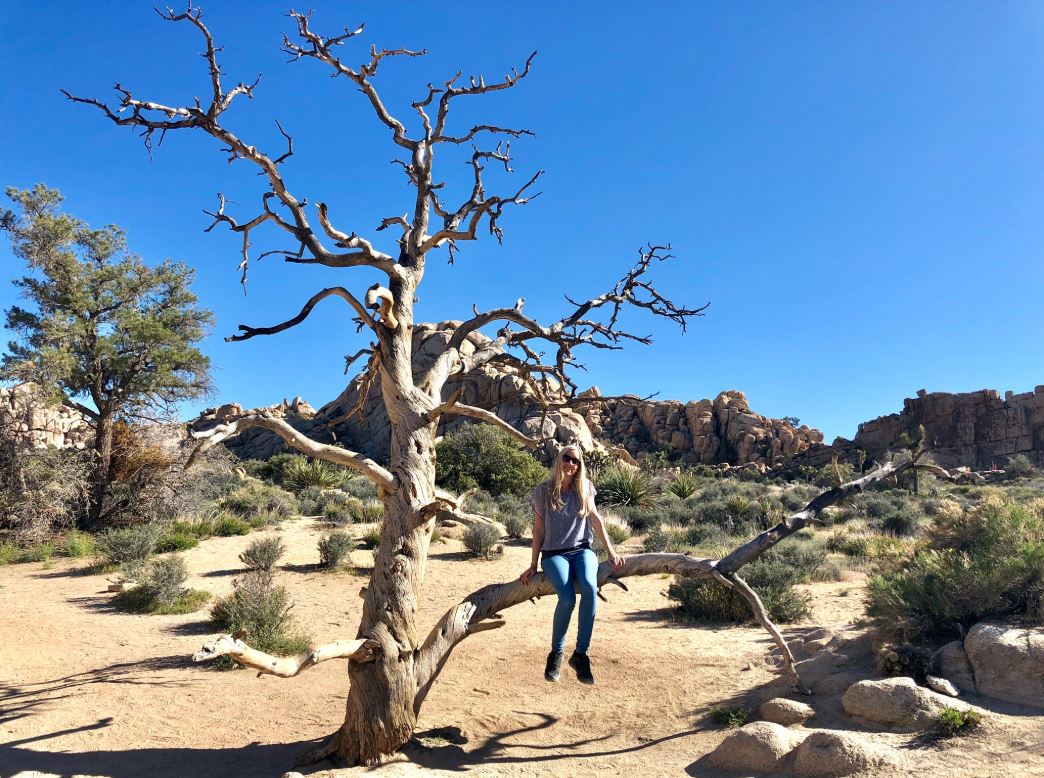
x: 103, y: 332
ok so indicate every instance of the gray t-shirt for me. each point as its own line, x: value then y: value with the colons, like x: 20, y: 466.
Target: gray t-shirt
x: 564, y: 528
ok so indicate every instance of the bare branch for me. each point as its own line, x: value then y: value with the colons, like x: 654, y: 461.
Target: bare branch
x: 336, y: 291
x: 215, y: 426
x: 481, y: 414
x: 286, y: 666
x: 475, y: 87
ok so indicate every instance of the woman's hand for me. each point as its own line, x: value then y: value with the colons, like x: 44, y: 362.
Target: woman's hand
x: 528, y: 574
x: 616, y: 559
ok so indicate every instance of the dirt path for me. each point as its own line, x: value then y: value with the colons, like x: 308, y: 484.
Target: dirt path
x: 85, y: 689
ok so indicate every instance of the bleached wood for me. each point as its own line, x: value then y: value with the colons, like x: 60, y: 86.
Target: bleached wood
x: 283, y: 666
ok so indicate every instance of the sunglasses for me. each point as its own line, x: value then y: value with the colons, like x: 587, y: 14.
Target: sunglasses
x: 571, y: 460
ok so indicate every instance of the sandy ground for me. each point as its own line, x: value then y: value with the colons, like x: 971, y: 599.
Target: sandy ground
x: 88, y: 690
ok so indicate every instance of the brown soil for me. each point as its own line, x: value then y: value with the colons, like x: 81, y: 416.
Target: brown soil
x: 88, y: 690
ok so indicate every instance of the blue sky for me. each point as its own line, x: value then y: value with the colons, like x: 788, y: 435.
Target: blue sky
x: 856, y: 188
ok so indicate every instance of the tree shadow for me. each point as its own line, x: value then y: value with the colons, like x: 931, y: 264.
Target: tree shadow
x: 21, y: 701
x: 252, y: 761
x: 442, y: 748
x: 223, y: 573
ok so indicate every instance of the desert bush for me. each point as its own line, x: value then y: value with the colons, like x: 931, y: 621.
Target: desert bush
x: 596, y: 461
x: 902, y: 522
x: 258, y: 498
x: 301, y: 473
x: 263, y: 553
x: 952, y: 722
x: 626, y: 486
x: 335, y: 549
x: 730, y: 716
x: 685, y: 485
x: 175, y: 541
x: 198, y: 528
x: 226, y: 525
x: 659, y: 540
x: 161, y: 590
x: 371, y: 538
x: 616, y: 528
x: 772, y: 576
x: 79, y: 544
x: 482, y: 540
x: 370, y: 512
x: 363, y: 488
x: 38, y: 552
x: 479, y: 455
x: 42, y: 491
x: 985, y: 562
x: 9, y: 553
x: 262, y: 611
x: 129, y: 548
x: 1019, y: 466
x: 515, y: 525
x: 704, y: 534
x: 137, y: 490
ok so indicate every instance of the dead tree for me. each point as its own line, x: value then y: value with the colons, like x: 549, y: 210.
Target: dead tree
x: 392, y: 663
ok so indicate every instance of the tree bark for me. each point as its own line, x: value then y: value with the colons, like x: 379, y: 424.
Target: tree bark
x: 100, y: 472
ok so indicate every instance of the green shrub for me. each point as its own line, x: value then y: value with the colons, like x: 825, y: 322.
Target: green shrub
x: 684, y: 486
x: 617, y: 530
x: 730, y: 716
x: 199, y: 528
x: 335, y: 549
x: 951, y: 722
x: 480, y: 455
x: 227, y: 525
x: 371, y: 512
x: 1019, y: 466
x: 301, y: 473
x: 263, y: 553
x: 129, y: 548
x: 257, y: 498
x: 161, y: 590
x: 363, y: 488
x: 79, y: 544
x: 38, y: 552
x: 371, y: 538
x: 772, y: 576
x: 176, y: 541
x: 622, y: 485
x: 482, y: 540
x: 515, y: 525
x: 986, y: 562
x: 9, y: 553
x: 703, y: 535
x: 262, y: 611
x: 660, y: 540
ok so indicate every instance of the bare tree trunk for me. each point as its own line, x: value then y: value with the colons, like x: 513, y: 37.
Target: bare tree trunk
x: 100, y: 473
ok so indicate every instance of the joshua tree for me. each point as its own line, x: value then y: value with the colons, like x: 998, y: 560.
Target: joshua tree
x: 392, y: 664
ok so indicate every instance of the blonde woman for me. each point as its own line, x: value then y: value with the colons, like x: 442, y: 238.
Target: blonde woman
x: 565, y: 521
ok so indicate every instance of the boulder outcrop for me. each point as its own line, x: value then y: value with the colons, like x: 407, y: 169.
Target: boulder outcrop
x: 29, y: 420
x: 723, y: 430
x: 1008, y: 662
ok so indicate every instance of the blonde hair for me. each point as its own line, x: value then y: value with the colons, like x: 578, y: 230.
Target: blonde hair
x: 580, y: 483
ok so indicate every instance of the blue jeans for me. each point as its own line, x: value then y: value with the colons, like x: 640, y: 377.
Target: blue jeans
x: 579, y: 567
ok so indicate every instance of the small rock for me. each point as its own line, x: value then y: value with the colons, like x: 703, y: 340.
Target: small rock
x: 941, y: 685
x: 826, y: 753
x: 761, y: 747
x: 785, y: 712
x: 898, y: 703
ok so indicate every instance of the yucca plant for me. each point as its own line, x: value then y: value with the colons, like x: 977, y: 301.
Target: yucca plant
x: 685, y: 485
x: 621, y: 485
x: 300, y: 473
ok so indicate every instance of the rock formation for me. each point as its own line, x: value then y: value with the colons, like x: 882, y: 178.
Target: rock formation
x: 28, y: 419
x: 703, y: 432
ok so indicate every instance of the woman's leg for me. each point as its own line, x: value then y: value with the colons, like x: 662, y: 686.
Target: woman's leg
x: 584, y: 570
x: 556, y: 569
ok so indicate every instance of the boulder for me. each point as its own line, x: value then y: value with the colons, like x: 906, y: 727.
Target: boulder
x: 1008, y: 662
x: 761, y: 747
x: 951, y: 662
x: 785, y: 712
x: 897, y: 703
x: 826, y: 753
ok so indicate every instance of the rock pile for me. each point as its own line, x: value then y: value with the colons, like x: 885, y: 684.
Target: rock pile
x: 28, y: 419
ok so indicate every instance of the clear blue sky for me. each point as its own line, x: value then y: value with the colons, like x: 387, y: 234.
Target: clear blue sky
x: 857, y: 188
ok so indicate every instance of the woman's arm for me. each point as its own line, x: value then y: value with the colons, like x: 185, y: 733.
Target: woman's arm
x: 538, y: 541
x: 599, y: 528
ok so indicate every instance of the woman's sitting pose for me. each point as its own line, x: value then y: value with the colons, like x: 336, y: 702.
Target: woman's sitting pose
x: 564, y: 522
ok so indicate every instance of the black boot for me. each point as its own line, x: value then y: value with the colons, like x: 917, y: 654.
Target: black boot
x: 553, y: 668
x: 582, y: 665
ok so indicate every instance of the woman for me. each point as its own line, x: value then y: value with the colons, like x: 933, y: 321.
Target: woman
x: 564, y: 516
